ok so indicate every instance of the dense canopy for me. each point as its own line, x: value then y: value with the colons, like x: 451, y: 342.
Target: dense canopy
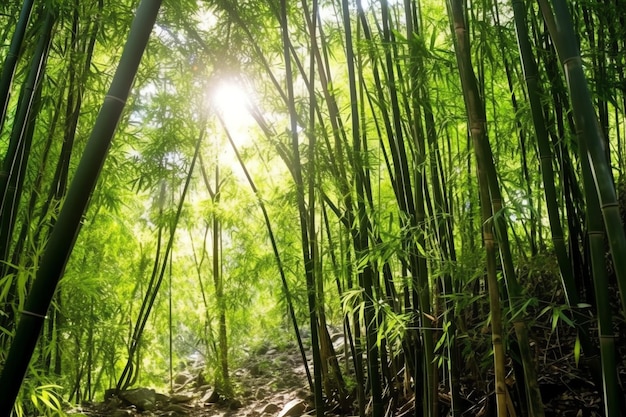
x: 440, y: 182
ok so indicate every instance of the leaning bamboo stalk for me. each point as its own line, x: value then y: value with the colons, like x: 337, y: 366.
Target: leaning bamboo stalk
x: 64, y: 234
x: 10, y: 63
x: 277, y: 257
x: 16, y: 158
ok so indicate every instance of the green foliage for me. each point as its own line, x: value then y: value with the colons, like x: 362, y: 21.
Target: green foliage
x: 360, y: 186
x: 38, y: 399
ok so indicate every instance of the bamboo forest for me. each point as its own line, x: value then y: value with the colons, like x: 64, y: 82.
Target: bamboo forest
x: 313, y: 208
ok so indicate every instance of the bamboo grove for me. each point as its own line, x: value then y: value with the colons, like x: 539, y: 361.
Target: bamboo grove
x: 436, y: 180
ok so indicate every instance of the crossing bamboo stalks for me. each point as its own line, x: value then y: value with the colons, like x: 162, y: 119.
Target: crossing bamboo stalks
x: 10, y: 63
x: 277, y: 257
x: 16, y: 159
x: 307, y: 252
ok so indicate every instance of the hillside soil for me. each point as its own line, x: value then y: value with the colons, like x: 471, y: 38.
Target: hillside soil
x: 272, y: 382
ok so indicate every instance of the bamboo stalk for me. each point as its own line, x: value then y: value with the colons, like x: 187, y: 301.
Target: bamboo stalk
x: 10, y: 63
x: 64, y: 234
x: 562, y: 33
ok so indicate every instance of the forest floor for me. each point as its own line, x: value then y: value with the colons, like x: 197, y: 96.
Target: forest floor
x: 272, y: 382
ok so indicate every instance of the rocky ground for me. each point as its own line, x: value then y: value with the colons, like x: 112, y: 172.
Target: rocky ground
x: 272, y: 382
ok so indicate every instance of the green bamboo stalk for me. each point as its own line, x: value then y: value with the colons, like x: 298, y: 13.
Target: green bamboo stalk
x: 223, y: 379
x: 610, y: 379
x: 363, y: 227
x: 443, y: 229
x: 277, y: 257
x: 477, y: 131
x: 63, y: 236
x: 533, y: 87
x: 531, y: 76
x: 412, y: 125
x: 412, y: 206
x: 16, y: 159
x: 308, y: 255
x: 129, y: 372
x: 10, y: 63
x: 562, y: 33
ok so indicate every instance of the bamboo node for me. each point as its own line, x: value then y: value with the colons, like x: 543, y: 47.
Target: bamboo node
x: 576, y: 59
x: 30, y: 313
x: 119, y: 100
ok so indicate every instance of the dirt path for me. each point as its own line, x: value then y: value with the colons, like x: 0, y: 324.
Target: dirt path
x: 269, y: 383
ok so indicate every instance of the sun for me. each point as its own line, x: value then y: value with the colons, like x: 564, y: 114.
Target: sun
x: 231, y: 102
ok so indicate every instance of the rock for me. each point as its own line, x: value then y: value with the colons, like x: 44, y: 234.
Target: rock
x: 200, y: 380
x: 270, y: 408
x: 235, y: 404
x: 293, y: 408
x: 339, y: 343
x: 181, y: 398
x: 261, y: 393
x: 303, y: 393
x: 109, y: 393
x: 161, y: 398
x: 336, y: 336
x: 183, y: 378
x: 176, y: 410
x: 212, y: 396
x: 142, y: 398
x: 204, y: 388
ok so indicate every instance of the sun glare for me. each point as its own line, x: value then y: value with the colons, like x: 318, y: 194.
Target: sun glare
x: 230, y: 100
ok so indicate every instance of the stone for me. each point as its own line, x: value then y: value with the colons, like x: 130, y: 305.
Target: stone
x: 161, y: 398
x: 261, y: 393
x: 181, y: 398
x: 212, y: 396
x: 203, y: 388
x: 235, y: 404
x: 270, y: 408
x: 142, y: 398
x: 303, y: 393
x: 293, y: 408
x: 339, y: 343
x: 183, y: 378
x: 177, y: 410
